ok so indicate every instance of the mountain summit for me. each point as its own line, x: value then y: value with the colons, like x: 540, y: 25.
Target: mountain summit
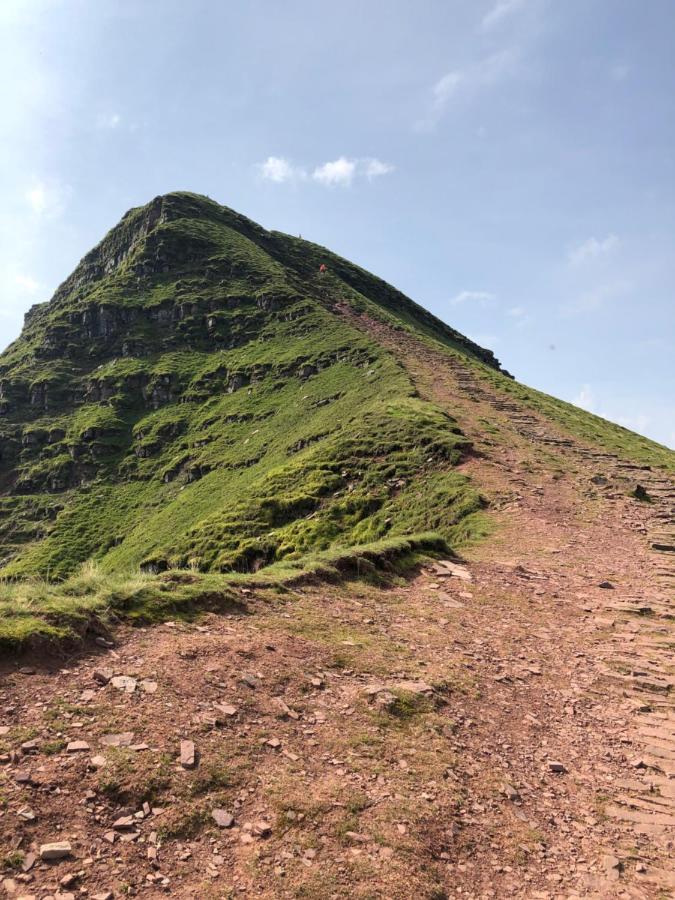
x: 202, y: 393
x: 193, y: 394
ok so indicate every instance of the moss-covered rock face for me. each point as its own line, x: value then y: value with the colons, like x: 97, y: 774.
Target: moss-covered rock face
x: 192, y: 397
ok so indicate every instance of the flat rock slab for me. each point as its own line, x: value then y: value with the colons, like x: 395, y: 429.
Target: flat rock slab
x: 55, y: 851
x: 124, y: 683
x: 125, y: 739
x: 414, y: 687
x: 447, y: 569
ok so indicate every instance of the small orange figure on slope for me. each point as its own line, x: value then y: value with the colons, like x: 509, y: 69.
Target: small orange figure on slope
x: 322, y: 269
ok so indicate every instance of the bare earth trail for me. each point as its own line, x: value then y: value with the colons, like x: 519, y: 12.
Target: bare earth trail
x: 500, y: 729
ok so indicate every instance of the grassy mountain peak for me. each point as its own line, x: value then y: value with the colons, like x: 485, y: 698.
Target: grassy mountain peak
x: 205, y: 397
x: 192, y: 397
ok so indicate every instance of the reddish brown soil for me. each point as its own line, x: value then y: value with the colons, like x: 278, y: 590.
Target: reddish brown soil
x: 399, y: 741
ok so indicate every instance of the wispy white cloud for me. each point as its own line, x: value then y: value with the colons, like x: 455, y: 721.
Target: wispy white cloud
x: 516, y: 312
x: 340, y: 172
x: 591, y: 249
x: 47, y: 199
x: 468, y: 81
x: 500, y: 11
x: 26, y: 283
x: 446, y: 87
x: 36, y: 197
x: 279, y: 169
x: 481, y: 298
x: 374, y: 168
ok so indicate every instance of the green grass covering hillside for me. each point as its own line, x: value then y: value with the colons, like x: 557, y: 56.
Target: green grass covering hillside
x: 192, y: 400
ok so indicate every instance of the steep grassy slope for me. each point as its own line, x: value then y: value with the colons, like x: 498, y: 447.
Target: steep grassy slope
x: 197, y: 396
x: 189, y: 398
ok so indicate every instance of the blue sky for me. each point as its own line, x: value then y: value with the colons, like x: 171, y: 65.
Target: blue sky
x: 509, y: 164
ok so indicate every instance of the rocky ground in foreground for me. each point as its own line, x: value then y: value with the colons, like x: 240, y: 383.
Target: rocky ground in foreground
x: 499, y: 728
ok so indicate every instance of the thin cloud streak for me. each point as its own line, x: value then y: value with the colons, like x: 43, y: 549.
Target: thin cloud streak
x: 592, y: 249
x: 482, y: 298
x: 467, y: 82
x: 500, y: 11
x: 340, y: 172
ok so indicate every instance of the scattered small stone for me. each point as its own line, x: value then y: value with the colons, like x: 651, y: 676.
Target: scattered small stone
x: 27, y: 814
x: 124, y: 823
x: 226, y: 709
x: 98, y: 762
x: 149, y: 687
x: 356, y: 837
x: 222, y: 818
x: 55, y: 851
x: 374, y: 689
x: 124, y: 683
x: 29, y: 746
x: 104, y: 895
x: 251, y: 681
x: 77, y: 747
x: 104, y: 642
x: 27, y: 670
x: 274, y: 743
x: 102, y: 676
x: 261, y: 828
x: 556, y: 767
x: 510, y: 792
x: 29, y: 861
x: 607, y: 585
x: 188, y: 757
x: 613, y: 866
x: 285, y: 711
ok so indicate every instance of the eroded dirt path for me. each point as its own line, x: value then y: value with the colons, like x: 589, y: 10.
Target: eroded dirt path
x: 501, y: 729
